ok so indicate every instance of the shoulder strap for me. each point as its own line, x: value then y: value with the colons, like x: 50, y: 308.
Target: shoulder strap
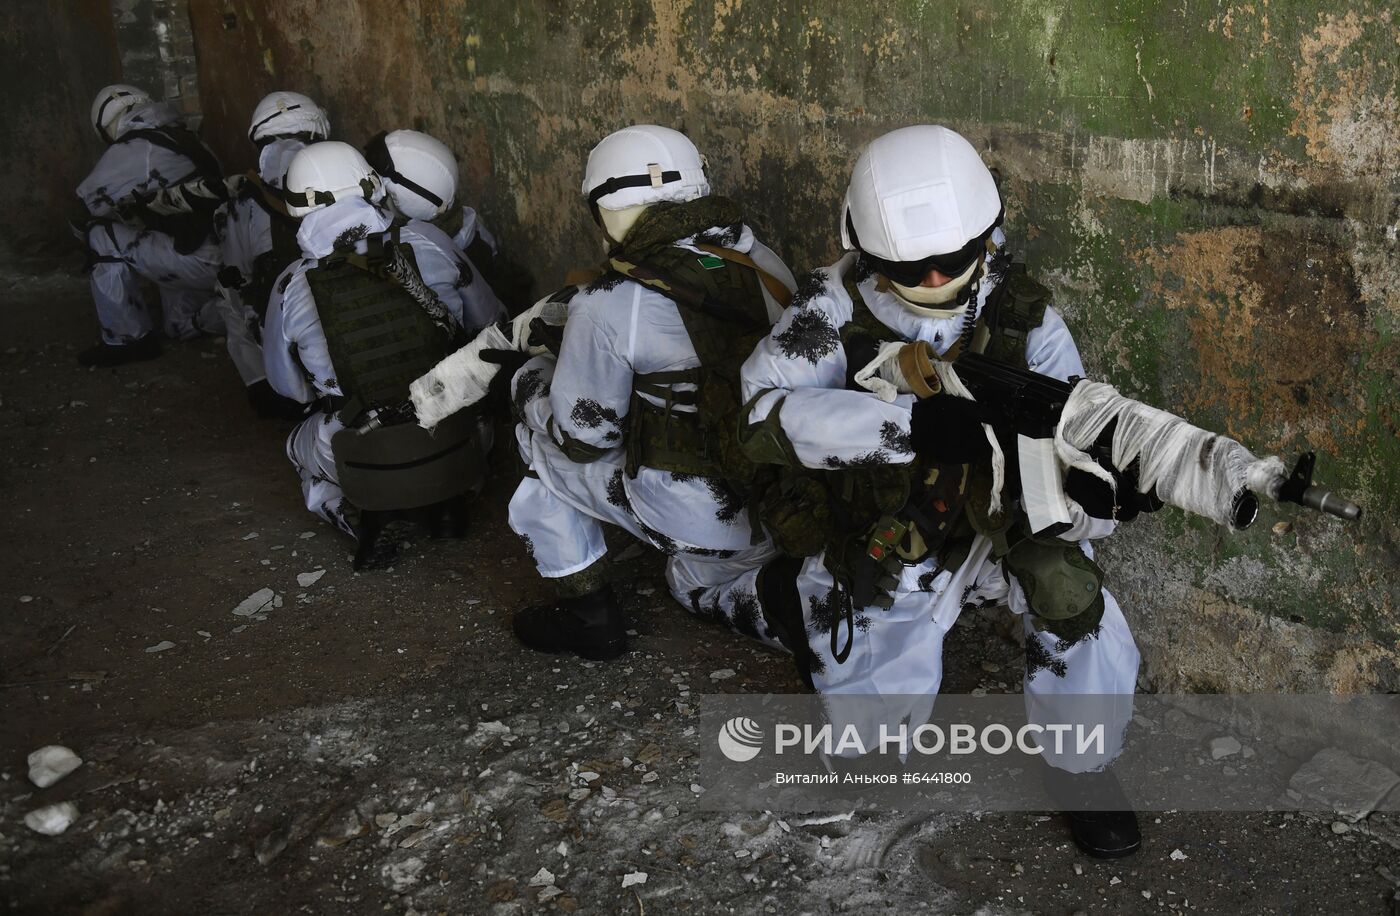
x: 183, y: 142
x: 780, y: 293
x: 265, y: 195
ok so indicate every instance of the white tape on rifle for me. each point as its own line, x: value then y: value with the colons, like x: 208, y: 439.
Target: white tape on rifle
x: 1191, y: 468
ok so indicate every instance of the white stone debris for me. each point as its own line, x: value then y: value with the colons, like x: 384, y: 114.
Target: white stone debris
x: 51, y: 763
x: 403, y: 875
x: 722, y: 674
x: 1178, y: 856
x: 161, y: 646
x: 1224, y: 746
x: 543, y: 878
x: 264, y: 599
x: 52, y: 820
x: 308, y: 579
x: 634, y: 877
x: 1337, y: 781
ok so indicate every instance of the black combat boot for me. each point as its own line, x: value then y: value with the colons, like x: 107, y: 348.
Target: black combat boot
x: 104, y: 354
x: 590, y: 626
x: 1101, y: 818
x: 449, y: 518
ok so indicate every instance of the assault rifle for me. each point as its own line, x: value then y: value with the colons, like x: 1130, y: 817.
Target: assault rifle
x: 1032, y: 406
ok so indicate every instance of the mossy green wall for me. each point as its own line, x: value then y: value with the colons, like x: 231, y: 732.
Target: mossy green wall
x: 1210, y: 189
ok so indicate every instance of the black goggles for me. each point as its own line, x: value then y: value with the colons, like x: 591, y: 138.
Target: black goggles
x: 912, y: 273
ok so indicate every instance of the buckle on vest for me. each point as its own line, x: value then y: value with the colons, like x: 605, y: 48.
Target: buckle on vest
x: 884, y: 540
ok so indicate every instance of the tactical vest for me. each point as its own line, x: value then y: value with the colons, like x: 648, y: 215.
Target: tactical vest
x: 719, y: 295
x: 723, y: 330
x: 380, y: 337
x: 947, y: 505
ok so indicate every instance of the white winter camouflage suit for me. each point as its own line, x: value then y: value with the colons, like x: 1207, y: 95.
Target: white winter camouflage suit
x: 294, y: 347
x: 897, y: 653
x: 125, y: 253
x: 618, y: 328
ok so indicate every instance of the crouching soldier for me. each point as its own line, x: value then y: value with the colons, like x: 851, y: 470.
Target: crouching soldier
x: 895, y: 500
x: 148, y: 150
x: 368, y: 308
x: 631, y: 425
x: 420, y: 183
x: 258, y: 238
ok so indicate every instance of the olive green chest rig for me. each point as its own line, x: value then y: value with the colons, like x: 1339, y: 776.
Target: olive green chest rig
x: 719, y: 295
x: 383, y: 325
x: 945, y: 507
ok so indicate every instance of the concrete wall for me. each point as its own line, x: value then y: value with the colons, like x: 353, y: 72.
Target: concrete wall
x: 157, y: 51
x: 1209, y: 187
x: 53, y: 59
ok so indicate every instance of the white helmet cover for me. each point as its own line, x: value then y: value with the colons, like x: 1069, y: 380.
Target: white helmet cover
x: 645, y: 164
x: 419, y: 172
x: 113, y: 102
x: 918, y: 192
x: 288, y: 114
x: 326, y: 172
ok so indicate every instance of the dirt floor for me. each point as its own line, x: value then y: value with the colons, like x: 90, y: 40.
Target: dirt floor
x: 378, y: 742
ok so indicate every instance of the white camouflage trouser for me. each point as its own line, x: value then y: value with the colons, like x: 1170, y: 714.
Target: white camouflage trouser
x: 896, y: 654
x: 122, y: 255
x: 309, y: 448
x: 561, y: 518
x: 244, y: 346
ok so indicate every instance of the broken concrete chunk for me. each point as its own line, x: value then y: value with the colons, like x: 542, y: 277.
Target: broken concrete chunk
x: 51, y: 763
x: 1224, y: 747
x: 160, y: 646
x: 1348, y: 785
x: 264, y: 599
x: 52, y: 820
x: 634, y: 877
x: 722, y: 674
x: 308, y: 579
x: 543, y: 878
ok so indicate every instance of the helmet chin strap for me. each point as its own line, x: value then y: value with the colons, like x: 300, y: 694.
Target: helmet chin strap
x: 921, y: 300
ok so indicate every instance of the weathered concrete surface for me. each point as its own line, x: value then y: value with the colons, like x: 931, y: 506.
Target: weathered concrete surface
x: 157, y: 50
x: 53, y: 59
x: 1210, y: 188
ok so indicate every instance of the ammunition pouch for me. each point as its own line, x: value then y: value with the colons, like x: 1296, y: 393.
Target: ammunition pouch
x: 661, y: 437
x: 405, y: 467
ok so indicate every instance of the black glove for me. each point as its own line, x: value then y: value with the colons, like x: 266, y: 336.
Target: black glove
x: 947, y: 429
x: 510, y: 362
x: 1101, y: 501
